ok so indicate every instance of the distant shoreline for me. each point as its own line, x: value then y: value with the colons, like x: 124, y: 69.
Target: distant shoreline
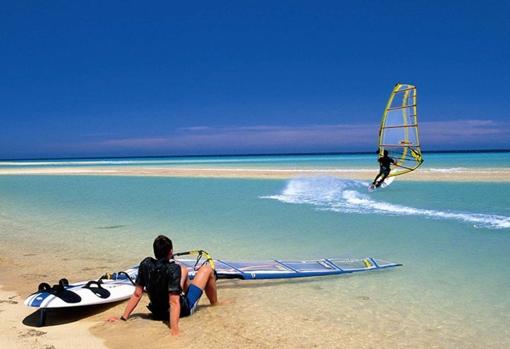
x: 468, y: 151
x: 447, y: 175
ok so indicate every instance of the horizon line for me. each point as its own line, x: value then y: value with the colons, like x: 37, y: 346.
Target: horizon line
x: 502, y: 150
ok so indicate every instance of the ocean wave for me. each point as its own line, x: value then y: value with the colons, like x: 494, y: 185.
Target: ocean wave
x: 346, y: 196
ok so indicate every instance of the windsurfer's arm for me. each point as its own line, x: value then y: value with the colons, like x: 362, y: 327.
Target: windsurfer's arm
x: 133, y: 302
x: 175, y: 312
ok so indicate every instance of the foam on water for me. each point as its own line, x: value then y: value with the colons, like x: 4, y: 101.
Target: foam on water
x: 349, y: 196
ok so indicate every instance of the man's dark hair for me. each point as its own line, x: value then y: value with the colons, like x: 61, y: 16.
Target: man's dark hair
x: 162, y: 246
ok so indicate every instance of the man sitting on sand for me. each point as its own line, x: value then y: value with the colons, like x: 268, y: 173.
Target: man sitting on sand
x: 384, y: 169
x: 171, y: 294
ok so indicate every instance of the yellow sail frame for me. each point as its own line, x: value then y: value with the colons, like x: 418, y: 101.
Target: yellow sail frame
x: 398, y: 132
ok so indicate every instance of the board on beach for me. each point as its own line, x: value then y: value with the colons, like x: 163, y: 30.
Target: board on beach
x: 120, y: 286
x: 84, y: 293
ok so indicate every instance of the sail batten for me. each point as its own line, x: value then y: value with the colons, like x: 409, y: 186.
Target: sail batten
x: 398, y: 133
x: 415, y: 125
x: 406, y: 106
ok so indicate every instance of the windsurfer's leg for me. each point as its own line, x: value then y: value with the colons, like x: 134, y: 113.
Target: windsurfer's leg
x: 377, y: 177
x: 384, y: 176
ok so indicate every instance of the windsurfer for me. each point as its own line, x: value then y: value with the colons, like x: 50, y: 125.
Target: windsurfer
x: 384, y: 169
x: 171, y: 293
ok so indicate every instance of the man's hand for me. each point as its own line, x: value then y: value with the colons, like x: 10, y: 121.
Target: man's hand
x: 133, y: 302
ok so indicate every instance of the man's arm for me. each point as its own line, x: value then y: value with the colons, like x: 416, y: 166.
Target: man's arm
x: 175, y: 313
x: 133, y: 302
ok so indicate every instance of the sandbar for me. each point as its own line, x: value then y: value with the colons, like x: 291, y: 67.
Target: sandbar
x: 501, y: 174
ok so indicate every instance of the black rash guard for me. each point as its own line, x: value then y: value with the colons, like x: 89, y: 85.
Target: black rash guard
x: 385, y: 163
x: 159, y: 277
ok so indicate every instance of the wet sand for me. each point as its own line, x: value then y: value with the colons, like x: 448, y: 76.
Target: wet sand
x: 260, y: 314
x: 460, y: 175
x: 241, y: 322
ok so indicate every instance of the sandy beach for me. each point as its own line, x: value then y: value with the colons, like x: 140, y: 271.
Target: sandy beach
x: 242, y: 322
x: 459, y: 175
x: 20, y: 272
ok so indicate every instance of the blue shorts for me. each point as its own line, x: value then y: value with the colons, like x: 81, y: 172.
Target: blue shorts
x: 192, y: 296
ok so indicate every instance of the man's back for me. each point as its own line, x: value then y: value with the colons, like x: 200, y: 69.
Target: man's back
x: 386, y: 161
x: 159, y: 277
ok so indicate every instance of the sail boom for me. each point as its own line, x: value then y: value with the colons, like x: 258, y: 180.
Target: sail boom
x: 407, y: 168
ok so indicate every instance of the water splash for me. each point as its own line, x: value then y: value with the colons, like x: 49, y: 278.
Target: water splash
x: 349, y: 196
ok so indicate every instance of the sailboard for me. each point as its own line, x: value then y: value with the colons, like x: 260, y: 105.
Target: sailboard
x: 398, y: 132
x: 84, y: 293
x: 120, y: 286
x: 383, y: 185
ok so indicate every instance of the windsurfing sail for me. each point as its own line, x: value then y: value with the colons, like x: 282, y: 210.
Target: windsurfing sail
x: 281, y: 269
x: 287, y: 269
x: 398, y: 133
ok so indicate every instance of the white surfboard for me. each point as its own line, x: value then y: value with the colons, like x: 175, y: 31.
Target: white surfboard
x: 84, y: 293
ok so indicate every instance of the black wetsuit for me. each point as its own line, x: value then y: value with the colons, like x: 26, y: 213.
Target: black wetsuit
x: 161, y: 277
x: 384, y: 163
x: 384, y: 169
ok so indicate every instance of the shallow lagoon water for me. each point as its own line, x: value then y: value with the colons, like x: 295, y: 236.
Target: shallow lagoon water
x: 453, y: 239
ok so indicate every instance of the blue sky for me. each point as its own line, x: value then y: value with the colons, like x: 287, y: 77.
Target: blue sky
x: 120, y: 78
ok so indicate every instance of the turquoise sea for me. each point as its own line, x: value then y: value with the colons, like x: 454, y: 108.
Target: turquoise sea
x: 453, y: 238
x: 443, y: 161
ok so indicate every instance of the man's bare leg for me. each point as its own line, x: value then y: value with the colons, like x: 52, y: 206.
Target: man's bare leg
x: 205, y: 279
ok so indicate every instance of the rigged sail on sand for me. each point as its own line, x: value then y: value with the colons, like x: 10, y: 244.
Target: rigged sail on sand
x: 398, y: 133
